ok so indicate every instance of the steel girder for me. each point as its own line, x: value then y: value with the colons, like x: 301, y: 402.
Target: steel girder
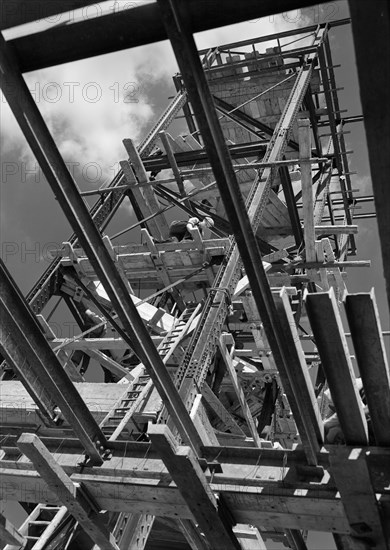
x: 133, y: 27
x: 25, y: 347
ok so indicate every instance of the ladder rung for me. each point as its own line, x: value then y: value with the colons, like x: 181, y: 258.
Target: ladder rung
x: 39, y: 522
x: 128, y: 404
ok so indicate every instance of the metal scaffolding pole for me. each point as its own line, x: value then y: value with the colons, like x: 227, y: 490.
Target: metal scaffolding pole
x: 25, y: 346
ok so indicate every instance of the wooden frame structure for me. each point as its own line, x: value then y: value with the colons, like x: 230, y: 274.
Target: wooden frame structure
x: 223, y: 427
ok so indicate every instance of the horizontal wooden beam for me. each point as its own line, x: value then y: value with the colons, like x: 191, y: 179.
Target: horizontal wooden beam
x: 67, y: 452
x: 148, y: 477
x: 79, y: 503
x: 336, y: 229
x: 19, y: 411
x: 328, y: 265
x: 134, y: 248
x: 92, y: 343
x: 295, y: 493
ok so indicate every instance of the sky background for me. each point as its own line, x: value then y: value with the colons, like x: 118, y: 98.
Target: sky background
x: 91, y: 105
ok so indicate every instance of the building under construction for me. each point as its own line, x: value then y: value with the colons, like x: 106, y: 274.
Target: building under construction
x: 231, y: 413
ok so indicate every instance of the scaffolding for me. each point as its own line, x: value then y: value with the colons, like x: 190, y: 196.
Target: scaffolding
x: 231, y: 412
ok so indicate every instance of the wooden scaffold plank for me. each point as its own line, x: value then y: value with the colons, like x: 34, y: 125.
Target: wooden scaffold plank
x: 329, y: 336
x: 364, y: 322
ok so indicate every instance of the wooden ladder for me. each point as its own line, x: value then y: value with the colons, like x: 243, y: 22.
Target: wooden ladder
x: 120, y: 415
x: 39, y: 526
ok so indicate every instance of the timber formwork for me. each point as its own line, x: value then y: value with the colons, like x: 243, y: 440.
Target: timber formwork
x: 232, y: 411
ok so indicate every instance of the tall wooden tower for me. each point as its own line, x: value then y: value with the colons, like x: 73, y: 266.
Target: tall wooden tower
x: 232, y: 412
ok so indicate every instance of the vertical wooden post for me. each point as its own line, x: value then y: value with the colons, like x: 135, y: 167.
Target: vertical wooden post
x: 307, y: 189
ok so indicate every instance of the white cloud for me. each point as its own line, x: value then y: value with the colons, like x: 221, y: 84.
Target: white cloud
x: 91, y: 105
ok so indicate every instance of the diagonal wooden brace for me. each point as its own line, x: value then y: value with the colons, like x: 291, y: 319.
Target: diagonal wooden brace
x: 186, y: 472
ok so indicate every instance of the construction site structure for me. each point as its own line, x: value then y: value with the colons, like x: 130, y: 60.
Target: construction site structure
x: 232, y: 411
